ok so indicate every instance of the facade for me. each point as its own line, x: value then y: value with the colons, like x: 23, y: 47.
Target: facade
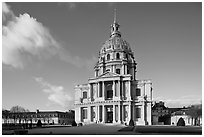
x: 114, y: 95
x: 181, y: 114
x: 46, y: 117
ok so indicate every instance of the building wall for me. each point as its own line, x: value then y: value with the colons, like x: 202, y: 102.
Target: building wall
x: 188, y: 120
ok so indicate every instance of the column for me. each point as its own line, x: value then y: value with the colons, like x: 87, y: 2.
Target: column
x: 129, y: 113
x: 114, y: 69
x: 89, y: 113
x: 122, y: 90
x: 103, y: 119
x: 122, y: 70
x: 133, y: 114
x: 125, y: 69
x: 123, y: 117
x: 119, y: 117
x: 129, y: 90
x: 103, y: 90
x: 90, y: 85
x: 119, y: 94
x: 96, y: 113
x: 79, y: 114
x: 113, y: 113
x: 98, y: 84
x: 113, y: 88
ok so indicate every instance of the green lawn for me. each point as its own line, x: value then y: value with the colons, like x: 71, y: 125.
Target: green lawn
x: 100, y: 129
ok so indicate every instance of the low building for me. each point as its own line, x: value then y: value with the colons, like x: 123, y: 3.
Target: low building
x: 161, y: 115
x: 181, y: 114
x: 46, y: 117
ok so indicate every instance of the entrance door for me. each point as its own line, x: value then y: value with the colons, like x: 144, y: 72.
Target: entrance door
x: 109, y: 117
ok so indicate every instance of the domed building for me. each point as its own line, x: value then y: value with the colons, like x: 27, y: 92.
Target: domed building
x: 114, y: 95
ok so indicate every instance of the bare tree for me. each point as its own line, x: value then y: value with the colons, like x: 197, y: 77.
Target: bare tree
x: 195, y: 111
x: 17, y: 109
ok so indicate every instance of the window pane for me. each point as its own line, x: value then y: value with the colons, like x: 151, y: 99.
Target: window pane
x: 84, y: 94
x: 138, y: 112
x: 138, y: 92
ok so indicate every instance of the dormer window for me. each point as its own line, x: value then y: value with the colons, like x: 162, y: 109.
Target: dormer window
x: 118, y: 71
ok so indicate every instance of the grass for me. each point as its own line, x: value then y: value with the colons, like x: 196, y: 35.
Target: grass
x: 100, y: 129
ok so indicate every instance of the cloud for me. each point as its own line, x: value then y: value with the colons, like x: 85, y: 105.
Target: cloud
x: 56, y: 94
x: 6, y: 12
x: 23, y: 37
x: 180, y: 102
x: 24, y: 40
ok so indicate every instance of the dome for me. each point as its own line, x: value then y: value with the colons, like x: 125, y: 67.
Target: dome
x: 115, y: 43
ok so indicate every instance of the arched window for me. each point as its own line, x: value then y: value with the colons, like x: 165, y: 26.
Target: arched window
x: 117, y: 55
x: 108, y: 57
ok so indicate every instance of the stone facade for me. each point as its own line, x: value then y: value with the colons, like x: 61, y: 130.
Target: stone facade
x: 46, y: 117
x: 114, y: 95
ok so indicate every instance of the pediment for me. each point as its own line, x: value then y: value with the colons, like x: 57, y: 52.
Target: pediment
x: 108, y: 74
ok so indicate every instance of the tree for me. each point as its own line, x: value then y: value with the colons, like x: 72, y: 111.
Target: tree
x: 195, y: 111
x: 17, y: 108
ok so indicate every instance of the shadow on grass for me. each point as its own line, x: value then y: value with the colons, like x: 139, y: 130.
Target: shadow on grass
x: 129, y: 128
x: 168, y: 130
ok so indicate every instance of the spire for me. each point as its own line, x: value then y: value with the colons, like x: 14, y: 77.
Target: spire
x: 115, y: 19
x: 115, y: 26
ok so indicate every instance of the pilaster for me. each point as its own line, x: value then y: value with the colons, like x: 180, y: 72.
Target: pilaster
x: 114, y: 114
x: 119, y: 114
x: 104, y: 112
x: 114, y: 89
x: 103, y: 90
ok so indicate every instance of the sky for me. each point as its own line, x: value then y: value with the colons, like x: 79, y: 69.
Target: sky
x: 48, y: 48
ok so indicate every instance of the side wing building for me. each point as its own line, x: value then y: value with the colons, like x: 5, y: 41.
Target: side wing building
x: 114, y: 95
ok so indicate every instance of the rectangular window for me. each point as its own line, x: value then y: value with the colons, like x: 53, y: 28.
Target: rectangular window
x: 138, y: 92
x: 138, y: 112
x: 84, y: 94
x: 84, y: 113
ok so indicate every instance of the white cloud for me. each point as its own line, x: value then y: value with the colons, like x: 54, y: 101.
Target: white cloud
x: 24, y: 37
x: 56, y: 94
x: 6, y: 12
x: 180, y: 102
